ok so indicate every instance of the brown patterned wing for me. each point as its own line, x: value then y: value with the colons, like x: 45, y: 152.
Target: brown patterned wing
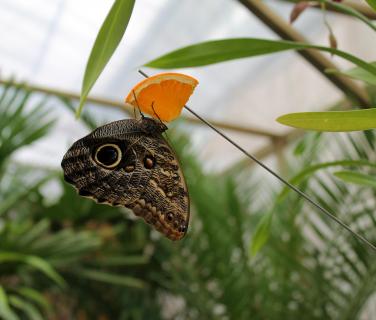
x: 164, y: 202
x: 128, y: 163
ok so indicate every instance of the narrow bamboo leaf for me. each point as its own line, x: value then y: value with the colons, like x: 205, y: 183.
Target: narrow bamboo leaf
x: 108, y: 39
x: 112, y: 278
x: 35, y: 296
x: 31, y: 311
x: 350, y: 11
x: 357, y: 178
x: 9, y: 202
x: 89, y: 121
x: 123, y: 260
x: 46, y: 268
x: 262, y: 233
x: 358, y: 74
x: 301, y: 176
x: 334, y: 121
x: 372, y: 4
x: 6, y: 312
x: 210, y: 52
x: 34, y: 233
x: 34, y: 262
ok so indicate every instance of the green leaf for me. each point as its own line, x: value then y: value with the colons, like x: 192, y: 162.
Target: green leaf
x: 35, y: 296
x: 108, y: 39
x: 35, y: 232
x: 6, y: 312
x: 16, y: 197
x: 31, y: 311
x: 89, y: 121
x: 21, y: 120
x: 123, y: 260
x: 357, y: 178
x: 34, y: 262
x: 262, y: 233
x: 112, y: 278
x: 350, y: 11
x: 372, y: 4
x: 334, y: 121
x: 302, y: 175
x: 358, y: 74
x: 45, y: 268
x: 210, y: 52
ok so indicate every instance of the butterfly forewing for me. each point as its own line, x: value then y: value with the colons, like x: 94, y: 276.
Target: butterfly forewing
x: 129, y: 163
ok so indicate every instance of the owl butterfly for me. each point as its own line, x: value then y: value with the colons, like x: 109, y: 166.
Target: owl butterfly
x: 128, y: 163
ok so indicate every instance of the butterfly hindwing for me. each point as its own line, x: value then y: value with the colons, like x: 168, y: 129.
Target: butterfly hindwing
x: 129, y: 163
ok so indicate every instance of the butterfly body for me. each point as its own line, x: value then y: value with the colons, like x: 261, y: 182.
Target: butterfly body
x: 128, y: 163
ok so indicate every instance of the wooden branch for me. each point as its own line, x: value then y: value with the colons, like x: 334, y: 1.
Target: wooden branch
x: 125, y: 108
x: 314, y: 57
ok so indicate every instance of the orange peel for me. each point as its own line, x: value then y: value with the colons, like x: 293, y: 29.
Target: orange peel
x: 163, y: 95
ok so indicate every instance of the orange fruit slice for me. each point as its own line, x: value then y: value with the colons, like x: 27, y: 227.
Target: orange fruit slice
x: 163, y: 95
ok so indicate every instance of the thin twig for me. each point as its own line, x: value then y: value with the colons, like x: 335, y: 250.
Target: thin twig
x: 285, y: 182
x: 120, y: 104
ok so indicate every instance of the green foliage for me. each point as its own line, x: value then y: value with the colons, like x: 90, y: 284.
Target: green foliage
x: 354, y: 120
x: 112, y: 278
x: 357, y: 178
x: 108, y: 39
x: 210, y: 52
x: 54, y: 251
x: 18, y: 125
x: 209, y: 274
x: 372, y: 4
x: 262, y: 233
x: 71, y: 258
x: 5, y: 310
x: 345, y: 120
x: 34, y: 262
x: 336, y: 121
x: 350, y: 11
x: 305, y: 266
x: 358, y: 74
x: 308, y: 171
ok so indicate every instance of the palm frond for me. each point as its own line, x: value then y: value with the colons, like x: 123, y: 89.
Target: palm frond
x: 21, y: 121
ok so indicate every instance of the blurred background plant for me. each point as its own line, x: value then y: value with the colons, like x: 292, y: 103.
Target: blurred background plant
x: 65, y: 257
x: 62, y: 256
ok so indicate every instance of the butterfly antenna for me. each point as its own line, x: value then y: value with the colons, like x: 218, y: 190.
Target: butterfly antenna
x: 284, y: 181
x: 165, y: 133
x: 138, y: 106
x: 152, y: 106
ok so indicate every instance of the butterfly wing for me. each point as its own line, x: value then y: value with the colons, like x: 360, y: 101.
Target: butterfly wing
x: 146, y: 176
x: 164, y: 202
